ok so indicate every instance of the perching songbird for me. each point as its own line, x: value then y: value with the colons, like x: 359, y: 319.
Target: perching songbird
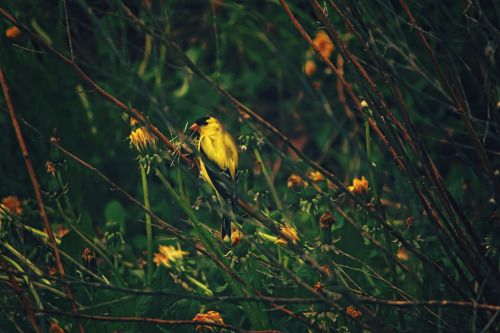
x: 219, y: 165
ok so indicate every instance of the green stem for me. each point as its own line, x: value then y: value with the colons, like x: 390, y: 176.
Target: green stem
x: 27, y: 281
x: 90, y: 243
x: 25, y: 260
x: 149, y: 227
x: 268, y: 180
x: 182, y: 188
x: 250, y: 309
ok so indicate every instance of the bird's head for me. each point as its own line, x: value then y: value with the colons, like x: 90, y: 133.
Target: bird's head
x: 206, y: 126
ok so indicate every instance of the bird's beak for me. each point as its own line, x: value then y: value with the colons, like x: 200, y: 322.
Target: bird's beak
x: 194, y: 127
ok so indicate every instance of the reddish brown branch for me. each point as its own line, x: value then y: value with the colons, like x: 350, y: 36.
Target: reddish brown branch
x: 36, y: 187
x: 459, y: 106
x: 130, y: 111
x: 26, y: 303
x: 152, y: 321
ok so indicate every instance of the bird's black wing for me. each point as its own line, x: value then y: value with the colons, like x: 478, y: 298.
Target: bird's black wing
x: 225, y: 187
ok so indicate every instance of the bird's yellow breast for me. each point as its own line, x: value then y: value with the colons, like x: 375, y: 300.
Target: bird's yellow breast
x: 221, y: 150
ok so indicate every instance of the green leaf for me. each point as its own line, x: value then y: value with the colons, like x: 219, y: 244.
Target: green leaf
x: 85, y: 223
x: 73, y: 245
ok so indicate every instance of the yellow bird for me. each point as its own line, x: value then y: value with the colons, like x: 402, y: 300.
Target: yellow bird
x: 219, y: 165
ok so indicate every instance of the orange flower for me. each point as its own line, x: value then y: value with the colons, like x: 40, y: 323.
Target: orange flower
x: 351, y: 311
x: 133, y: 121
x: 319, y: 286
x: 324, y: 44
x: 168, y: 254
x: 13, y: 204
x: 326, y: 269
x: 13, y: 32
x: 209, y: 317
x: 288, y: 232
x: 359, y: 186
x: 61, y: 230
x: 402, y: 254
x: 55, y: 328
x: 50, y: 167
x: 236, y: 237
x: 309, y: 67
x: 88, y: 256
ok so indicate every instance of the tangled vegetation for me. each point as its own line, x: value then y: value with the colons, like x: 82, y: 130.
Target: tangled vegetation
x: 369, y: 169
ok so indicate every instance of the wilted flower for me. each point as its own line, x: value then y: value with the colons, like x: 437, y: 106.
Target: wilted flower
x: 324, y: 44
x: 142, y: 139
x: 309, y: 67
x: 209, y: 317
x: 326, y: 221
x: 288, y: 232
x: 359, y: 186
x: 236, y: 237
x: 13, y: 32
x: 88, y: 256
x: 351, y: 311
x: 13, y: 204
x: 168, y: 254
x: 89, y: 260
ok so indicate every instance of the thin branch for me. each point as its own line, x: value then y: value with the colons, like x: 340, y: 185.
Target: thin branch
x: 36, y: 187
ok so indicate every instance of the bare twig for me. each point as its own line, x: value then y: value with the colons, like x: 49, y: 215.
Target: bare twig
x: 36, y: 187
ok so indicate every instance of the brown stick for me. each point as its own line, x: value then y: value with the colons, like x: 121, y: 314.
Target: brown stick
x: 36, y: 187
x: 26, y: 303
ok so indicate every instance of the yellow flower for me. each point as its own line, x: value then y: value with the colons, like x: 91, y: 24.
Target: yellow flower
x: 309, y: 67
x: 209, y: 317
x: 359, y: 186
x: 364, y: 104
x: 325, y: 46
x: 141, y: 138
x: 351, y: 311
x: 13, y: 204
x: 13, y: 32
x: 290, y: 233
x: 295, y: 181
x: 168, y: 254
x: 236, y: 237
x: 316, y: 176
